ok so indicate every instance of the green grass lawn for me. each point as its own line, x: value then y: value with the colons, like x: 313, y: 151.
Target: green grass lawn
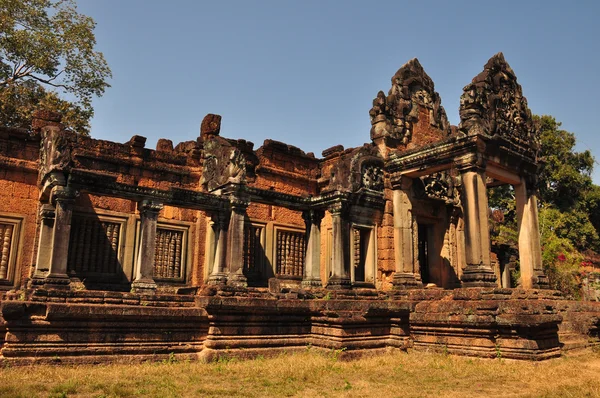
x: 312, y: 374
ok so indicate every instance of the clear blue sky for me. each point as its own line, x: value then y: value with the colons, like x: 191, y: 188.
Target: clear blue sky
x: 305, y: 72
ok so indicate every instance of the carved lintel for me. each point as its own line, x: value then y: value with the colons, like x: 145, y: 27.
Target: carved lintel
x: 439, y: 186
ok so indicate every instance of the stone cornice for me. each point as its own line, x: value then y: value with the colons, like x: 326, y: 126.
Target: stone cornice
x: 107, y: 185
x: 464, y: 152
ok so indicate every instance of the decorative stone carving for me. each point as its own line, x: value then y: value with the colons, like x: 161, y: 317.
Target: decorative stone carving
x: 392, y: 116
x: 6, y: 239
x: 493, y: 104
x: 55, y: 151
x: 361, y: 168
x: 439, y: 186
x: 290, y: 253
x: 236, y: 169
x: 227, y: 161
x: 372, y: 177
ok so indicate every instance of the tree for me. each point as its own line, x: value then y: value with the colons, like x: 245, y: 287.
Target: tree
x: 47, y: 46
x: 565, y: 175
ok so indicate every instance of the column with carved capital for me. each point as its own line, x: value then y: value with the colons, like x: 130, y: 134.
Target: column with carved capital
x: 312, y: 258
x: 530, y: 251
x: 144, y: 263
x: 218, y: 272
x: 235, y: 243
x: 340, y: 268
x: 478, y: 271
x: 63, y: 199
x: 407, y: 273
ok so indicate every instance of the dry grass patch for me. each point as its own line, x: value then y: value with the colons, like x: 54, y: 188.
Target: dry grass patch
x: 311, y: 374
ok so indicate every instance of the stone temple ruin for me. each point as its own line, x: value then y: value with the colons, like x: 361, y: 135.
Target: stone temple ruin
x: 113, y: 251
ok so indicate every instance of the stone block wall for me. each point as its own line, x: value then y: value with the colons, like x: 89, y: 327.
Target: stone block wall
x: 19, y: 198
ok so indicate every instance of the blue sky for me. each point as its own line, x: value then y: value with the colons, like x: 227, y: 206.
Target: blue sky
x: 305, y: 72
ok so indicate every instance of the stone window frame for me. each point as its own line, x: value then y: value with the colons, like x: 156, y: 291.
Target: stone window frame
x: 268, y: 242
x: 124, y: 254
x: 264, y: 237
x: 275, y: 228
x: 16, y: 249
x: 371, y: 255
x: 186, y: 250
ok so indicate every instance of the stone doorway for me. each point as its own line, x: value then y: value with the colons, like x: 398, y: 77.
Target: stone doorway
x: 424, y: 247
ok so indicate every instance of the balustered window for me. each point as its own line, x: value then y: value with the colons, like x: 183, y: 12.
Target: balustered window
x: 169, y: 257
x: 290, y: 248
x: 94, y: 247
x: 9, y: 237
x: 254, y: 254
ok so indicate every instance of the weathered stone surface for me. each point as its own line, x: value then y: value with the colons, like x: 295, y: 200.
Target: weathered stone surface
x: 272, y: 249
x: 493, y: 104
x: 211, y: 125
x: 209, y: 326
x: 394, y: 117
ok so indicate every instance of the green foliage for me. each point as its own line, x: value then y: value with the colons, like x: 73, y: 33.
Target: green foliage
x: 565, y: 175
x: 569, y: 212
x: 19, y: 101
x: 503, y: 217
x: 560, y: 258
x: 47, y: 45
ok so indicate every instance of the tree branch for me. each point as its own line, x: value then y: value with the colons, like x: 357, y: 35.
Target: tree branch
x: 48, y: 81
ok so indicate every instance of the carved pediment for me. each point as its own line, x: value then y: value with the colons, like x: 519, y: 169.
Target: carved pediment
x: 493, y: 104
x: 360, y: 168
x: 372, y: 177
x: 393, y: 116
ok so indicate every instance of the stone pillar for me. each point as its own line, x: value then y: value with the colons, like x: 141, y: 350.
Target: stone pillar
x: 63, y: 199
x: 235, y: 243
x: 312, y: 258
x: 218, y: 272
x: 340, y: 268
x: 407, y: 274
x: 530, y: 251
x: 478, y: 270
x: 44, y: 253
x: 144, y: 264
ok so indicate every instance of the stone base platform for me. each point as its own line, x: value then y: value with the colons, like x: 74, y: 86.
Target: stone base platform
x: 41, y: 326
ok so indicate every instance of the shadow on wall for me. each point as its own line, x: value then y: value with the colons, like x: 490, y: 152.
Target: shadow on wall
x: 96, y: 251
